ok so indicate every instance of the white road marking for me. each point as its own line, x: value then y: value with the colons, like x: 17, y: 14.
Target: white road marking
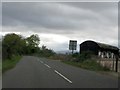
x: 41, y: 61
x: 63, y: 76
x: 47, y: 65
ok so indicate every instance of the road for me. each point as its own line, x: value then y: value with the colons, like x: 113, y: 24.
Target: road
x: 34, y: 72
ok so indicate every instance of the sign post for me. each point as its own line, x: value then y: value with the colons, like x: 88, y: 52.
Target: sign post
x: 72, y: 45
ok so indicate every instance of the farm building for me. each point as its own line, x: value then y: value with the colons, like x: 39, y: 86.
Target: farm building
x: 108, y: 55
x: 100, y: 49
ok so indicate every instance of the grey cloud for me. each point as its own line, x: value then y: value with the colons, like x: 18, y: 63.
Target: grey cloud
x: 107, y: 9
x: 119, y: 24
x: 66, y: 0
x: 81, y: 21
x: 62, y: 47
x: 49, y: 15
x: 94, y: 6
x: 0, y: 20
x: 31, y: 15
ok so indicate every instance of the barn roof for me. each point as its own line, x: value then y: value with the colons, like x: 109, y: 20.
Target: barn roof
x: 107, y: 46
x: 104, y: 46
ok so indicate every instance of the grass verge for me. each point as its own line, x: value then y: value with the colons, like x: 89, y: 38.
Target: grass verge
x: 88, y: 64
x: 8, y: 64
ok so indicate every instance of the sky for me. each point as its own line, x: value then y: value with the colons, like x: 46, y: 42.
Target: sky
x: 58, y: 22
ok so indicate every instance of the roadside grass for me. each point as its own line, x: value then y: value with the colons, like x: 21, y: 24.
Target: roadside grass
x: 87, y: 64
x: 8, y: 64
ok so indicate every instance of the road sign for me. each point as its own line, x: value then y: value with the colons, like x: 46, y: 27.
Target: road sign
x: 72, y: 45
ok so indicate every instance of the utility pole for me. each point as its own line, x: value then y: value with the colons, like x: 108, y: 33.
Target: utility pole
x: 116, y: 66
x: 72, y: 51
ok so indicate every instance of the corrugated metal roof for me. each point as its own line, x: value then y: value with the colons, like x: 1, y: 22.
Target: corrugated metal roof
x: 106, y: 46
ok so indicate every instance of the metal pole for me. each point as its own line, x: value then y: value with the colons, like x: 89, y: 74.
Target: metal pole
x: 113, y: 65
x: 72, y: 51
x: 116, y: 68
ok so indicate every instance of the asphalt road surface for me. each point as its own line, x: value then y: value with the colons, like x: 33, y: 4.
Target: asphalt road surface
x: 34, y: 72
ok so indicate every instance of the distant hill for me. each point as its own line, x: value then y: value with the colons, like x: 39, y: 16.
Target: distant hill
x: 64, y: 52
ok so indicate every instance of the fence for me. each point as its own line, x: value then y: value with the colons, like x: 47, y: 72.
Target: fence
x: 109, y: 63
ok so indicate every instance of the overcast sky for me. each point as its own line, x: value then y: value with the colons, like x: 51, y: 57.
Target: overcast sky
x: 58, y: 22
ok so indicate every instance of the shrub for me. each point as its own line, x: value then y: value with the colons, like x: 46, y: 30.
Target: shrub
x: 75, y: 54
x: 61, y: 57
x: 91, y: 64
x: 88, y: 64
x: 84, y: 56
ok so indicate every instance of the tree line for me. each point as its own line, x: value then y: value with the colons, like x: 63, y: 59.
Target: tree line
x: 14, y: 44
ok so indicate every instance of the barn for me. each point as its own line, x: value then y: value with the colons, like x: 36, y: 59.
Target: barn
x: 100, y: 49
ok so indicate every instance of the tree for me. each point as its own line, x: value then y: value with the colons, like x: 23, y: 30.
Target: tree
x: 44, y: 47
x: 45, y: 52
x: 12, y: 44
x: 32, y: 43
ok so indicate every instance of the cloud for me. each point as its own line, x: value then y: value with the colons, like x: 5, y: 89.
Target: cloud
x: 61, y: 0
x: 56, y: 23
x: 51, y: 15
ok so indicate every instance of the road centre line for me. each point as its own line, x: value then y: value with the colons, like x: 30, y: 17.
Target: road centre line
x: 62, y: 76
x: 41, y: 61
x: 47, y: 65
x: 58, y: 73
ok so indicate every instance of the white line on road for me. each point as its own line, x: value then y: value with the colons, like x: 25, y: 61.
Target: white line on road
x: 37, y: 59
x: 47, y: 65
x: 41, y: 61
x: 63, y: 76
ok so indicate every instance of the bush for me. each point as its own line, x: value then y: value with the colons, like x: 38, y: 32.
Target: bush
x: 61, y: 57
x: 88, y: 64
x: 86, y: 60
x: 77, y: 57
x: 84, y: 56
x: 75, y: 54
x: 93, y: 65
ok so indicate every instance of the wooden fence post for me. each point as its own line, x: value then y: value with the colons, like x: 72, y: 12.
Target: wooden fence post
x: 116, y: 66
